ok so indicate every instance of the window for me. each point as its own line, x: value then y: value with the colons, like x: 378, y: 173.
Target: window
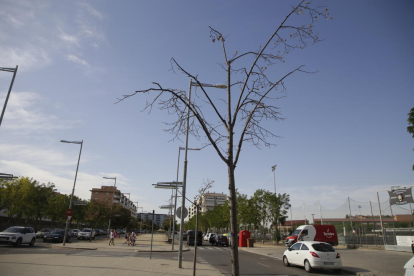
x: 96, y: 198
x: 96, y: 193
x: 304, y: 247
x: 323, y: 247
x: 305, y: 232
x: 107, y: 193
x: 296, y: 246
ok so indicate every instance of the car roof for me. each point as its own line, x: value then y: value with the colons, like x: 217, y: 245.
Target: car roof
x: 312, y: 242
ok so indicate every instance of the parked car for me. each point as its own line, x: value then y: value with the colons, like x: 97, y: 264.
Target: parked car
x: 183, y: 235
x: 70, y: 233
x: 207, y: 236
x: 191, y: 237
x: 409, y: 267
x: 220, y: 240
x: 86, y: 234
x: 321, y: 233
x: 57, y: 235
x: 75, y: 232
x: 211, y: 239
x: 42, y: 232
x: 98, y: 232
x: 312, y: 254
x: 16, y: 235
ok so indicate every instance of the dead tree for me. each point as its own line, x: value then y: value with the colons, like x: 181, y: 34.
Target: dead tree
x: 251, y: 97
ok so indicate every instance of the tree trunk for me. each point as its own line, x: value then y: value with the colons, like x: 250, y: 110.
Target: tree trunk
x: 233, y: 220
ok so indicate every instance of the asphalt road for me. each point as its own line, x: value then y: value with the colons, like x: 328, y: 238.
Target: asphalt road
x: 250, y: 263
x: 268, y: 263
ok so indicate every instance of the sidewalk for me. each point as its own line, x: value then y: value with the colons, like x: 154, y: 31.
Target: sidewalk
x: 122, y: 262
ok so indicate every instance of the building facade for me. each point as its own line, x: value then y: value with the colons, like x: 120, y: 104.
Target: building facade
x: 112, y: 195
x: 158, y: 218
x: 208, y: 202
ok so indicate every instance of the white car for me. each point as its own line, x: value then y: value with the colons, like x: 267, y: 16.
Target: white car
x: 409, y: 267
x: 85, y: 234
x: 313, y: 254
x: 16, y: 235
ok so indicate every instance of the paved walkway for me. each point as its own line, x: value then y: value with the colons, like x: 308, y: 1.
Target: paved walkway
x: 122, y: 263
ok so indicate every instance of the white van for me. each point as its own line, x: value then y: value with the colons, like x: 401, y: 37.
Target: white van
x: 208, y: 236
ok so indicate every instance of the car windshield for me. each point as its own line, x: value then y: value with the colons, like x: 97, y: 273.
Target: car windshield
x: 323, y: 247
x: 297, y: 231
x: 57, y: 232
x: 44, y: 230
x: 86, y: 230
x: 14, y: 230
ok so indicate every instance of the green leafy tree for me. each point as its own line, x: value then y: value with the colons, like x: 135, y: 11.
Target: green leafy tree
x: 97, y: 212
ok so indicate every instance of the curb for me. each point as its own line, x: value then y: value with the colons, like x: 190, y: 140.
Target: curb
x: 74, y: 248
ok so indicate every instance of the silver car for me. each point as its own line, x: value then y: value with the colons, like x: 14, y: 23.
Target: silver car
x: 86, y: 234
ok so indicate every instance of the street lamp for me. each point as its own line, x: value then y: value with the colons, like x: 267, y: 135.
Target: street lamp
x: 112, y: 202
x: 175, y: 201
x: 220, y: 86
x: 14, y: 70
x: 74, y: 183
x: 277, y: 213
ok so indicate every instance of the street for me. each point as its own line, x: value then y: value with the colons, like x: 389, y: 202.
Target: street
x: 97, y: 258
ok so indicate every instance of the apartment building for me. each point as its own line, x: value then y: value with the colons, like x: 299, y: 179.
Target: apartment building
x: 158, y: 218
x: 209, y: 201
x: 112, y: 194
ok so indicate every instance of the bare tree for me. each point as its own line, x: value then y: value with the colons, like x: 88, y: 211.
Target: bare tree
x: 251, y: 97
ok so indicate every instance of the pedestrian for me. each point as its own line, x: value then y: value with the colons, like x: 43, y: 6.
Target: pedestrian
x: 133, y: 237
x: 126, y: 237
x: 111, y: 238
x: 412, y: 246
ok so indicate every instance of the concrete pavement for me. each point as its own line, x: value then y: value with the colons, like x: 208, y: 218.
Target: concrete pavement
x: 123, y: 261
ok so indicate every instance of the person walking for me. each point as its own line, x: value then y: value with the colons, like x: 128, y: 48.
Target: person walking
x: 111, y: 237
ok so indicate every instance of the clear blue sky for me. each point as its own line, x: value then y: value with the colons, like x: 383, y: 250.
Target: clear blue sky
x: 345, y: 127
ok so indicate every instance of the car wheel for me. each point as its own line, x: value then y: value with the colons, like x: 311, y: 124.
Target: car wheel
x: 32, y: 242
x: 18, y: 243
x: 337, y: 271
x: 286, y: 261
x: 308, y: 267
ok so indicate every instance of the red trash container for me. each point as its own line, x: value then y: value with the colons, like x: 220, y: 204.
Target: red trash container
x: 243, y: 236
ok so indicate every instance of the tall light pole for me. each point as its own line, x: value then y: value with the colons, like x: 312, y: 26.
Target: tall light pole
x: 175, y: 200
x: 277, y: 213
x: 14, y: 70
x: 220, y: 86
x: 74, y: 183
x: 112, y: 202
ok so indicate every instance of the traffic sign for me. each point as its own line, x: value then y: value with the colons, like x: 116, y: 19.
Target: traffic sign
x: 69, y: 212
x: 69, y: 218
x: 178, y: 212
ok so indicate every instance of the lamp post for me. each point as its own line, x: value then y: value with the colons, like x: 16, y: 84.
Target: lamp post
x: 14, y: 70
x: 112, y: 202
x: 313, y: 219
x: 277, y: 213
x: 175, y: 200
x: 220, y: 86
x: 74, y: 183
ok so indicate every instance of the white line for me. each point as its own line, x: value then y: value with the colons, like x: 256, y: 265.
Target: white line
x: 263, y: 265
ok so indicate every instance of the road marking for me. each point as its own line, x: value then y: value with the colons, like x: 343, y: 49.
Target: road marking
x: 263, y: 265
